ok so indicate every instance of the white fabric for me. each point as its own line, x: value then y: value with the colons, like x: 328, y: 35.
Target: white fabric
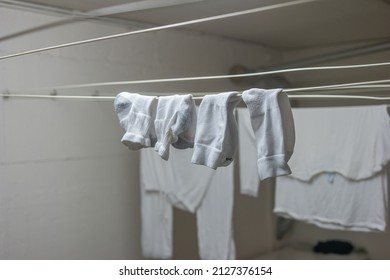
x: 353, y: 141
x: 216, y: 136
x: 136, y: 115
x: 331, y: 201
x: 156, y: 225
x: 215, y: 220
x: 193, y: 188
x: 249, y: 178
x: 175, y: 123
x: 338, y: 179
x: 273, y: 126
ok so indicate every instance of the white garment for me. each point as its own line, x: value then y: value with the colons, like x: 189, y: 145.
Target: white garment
x: 194, y: 188
x: 214, y: 220
x: 175, y: 123
x: 156, y: 225
x: 331, y: 201
x: 273, y: 126
x: 216, y: 133
x: 136, y: 114
x: 353, y: 141
x: 249, y: 178
x: 348, y: 146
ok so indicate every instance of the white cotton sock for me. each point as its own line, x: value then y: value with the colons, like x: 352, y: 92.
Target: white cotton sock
x: 175, y: 123
x: 136, y: 114
x: 186, y: 125
x: 216, y: 133
x: 273, y: 125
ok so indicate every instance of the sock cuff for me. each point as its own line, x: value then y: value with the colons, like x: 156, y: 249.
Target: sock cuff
x: 135, y: 142
x: 259, y: 101
x: 162, y: 149
x: 206, y: 155
x: 273, y: 166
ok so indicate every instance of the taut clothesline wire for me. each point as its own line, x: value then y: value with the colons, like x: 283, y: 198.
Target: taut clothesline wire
x: 163, y: 27
x: 298, y: 97
x: 335, y: 87
x: 200, y: 78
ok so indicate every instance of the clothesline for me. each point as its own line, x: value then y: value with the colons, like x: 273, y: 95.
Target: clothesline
x: 163, y: 27
x: 372, y: 85
x: 215, y: 77
x: 53, y: 91
x: 297, y: 97
x: 232, y: 76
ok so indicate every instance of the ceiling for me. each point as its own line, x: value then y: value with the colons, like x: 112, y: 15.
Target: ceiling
x: 307, y: 25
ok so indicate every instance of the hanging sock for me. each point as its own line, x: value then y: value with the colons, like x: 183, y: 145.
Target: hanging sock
x: 175, y: 123
x: 136, y: 114
x: 273, y: 125
x: 217, y: 134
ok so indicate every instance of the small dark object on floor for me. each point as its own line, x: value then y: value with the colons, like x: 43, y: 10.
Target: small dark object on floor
x: 333, y: 247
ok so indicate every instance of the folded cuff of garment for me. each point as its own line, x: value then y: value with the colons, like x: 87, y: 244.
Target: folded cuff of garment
x: 249, y: 192
x: 182, y: 144
x: 162, y: 148
x: 206, y: 155
x: 135, y: 141
x: 272, y: 166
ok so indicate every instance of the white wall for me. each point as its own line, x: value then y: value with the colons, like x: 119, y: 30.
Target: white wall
x: 68, y: 188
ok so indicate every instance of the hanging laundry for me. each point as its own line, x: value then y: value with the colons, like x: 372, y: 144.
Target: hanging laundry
x: 344, y: 204
x: 198, y: 189
x: 136, y: 115
x: 339, y: 178
x: 249, y: 178
x: 273, y: 125
x: 158, y: 123
x: 175, y: 123
x: 353, y: 141
x: 216, y: 138
x: 156, y: 224
x: 266, y: 137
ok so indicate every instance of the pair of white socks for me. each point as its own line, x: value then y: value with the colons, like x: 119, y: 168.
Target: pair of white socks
x: 152, y: 123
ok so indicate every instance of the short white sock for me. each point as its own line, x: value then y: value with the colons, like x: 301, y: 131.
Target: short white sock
x: 175, y: 123
x: 273, y: 125
x: 136, y: 114
x: 216, y: 133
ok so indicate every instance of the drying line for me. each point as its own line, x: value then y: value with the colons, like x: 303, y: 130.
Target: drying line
x: 301, y: 96
x: 163, y: 27
x: 326, y: 96
x: 201, y: 78
x: 337, y: 86
x: 93, y: 14
x: 365, y: 85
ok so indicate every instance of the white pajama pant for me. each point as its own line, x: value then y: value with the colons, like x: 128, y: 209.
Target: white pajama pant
x: 198, y: 189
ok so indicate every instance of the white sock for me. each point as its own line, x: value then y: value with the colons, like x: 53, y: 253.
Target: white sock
x: 273, y: 125
x: 175, y: 123
x: 136, y: 114
x: 216, y: 133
